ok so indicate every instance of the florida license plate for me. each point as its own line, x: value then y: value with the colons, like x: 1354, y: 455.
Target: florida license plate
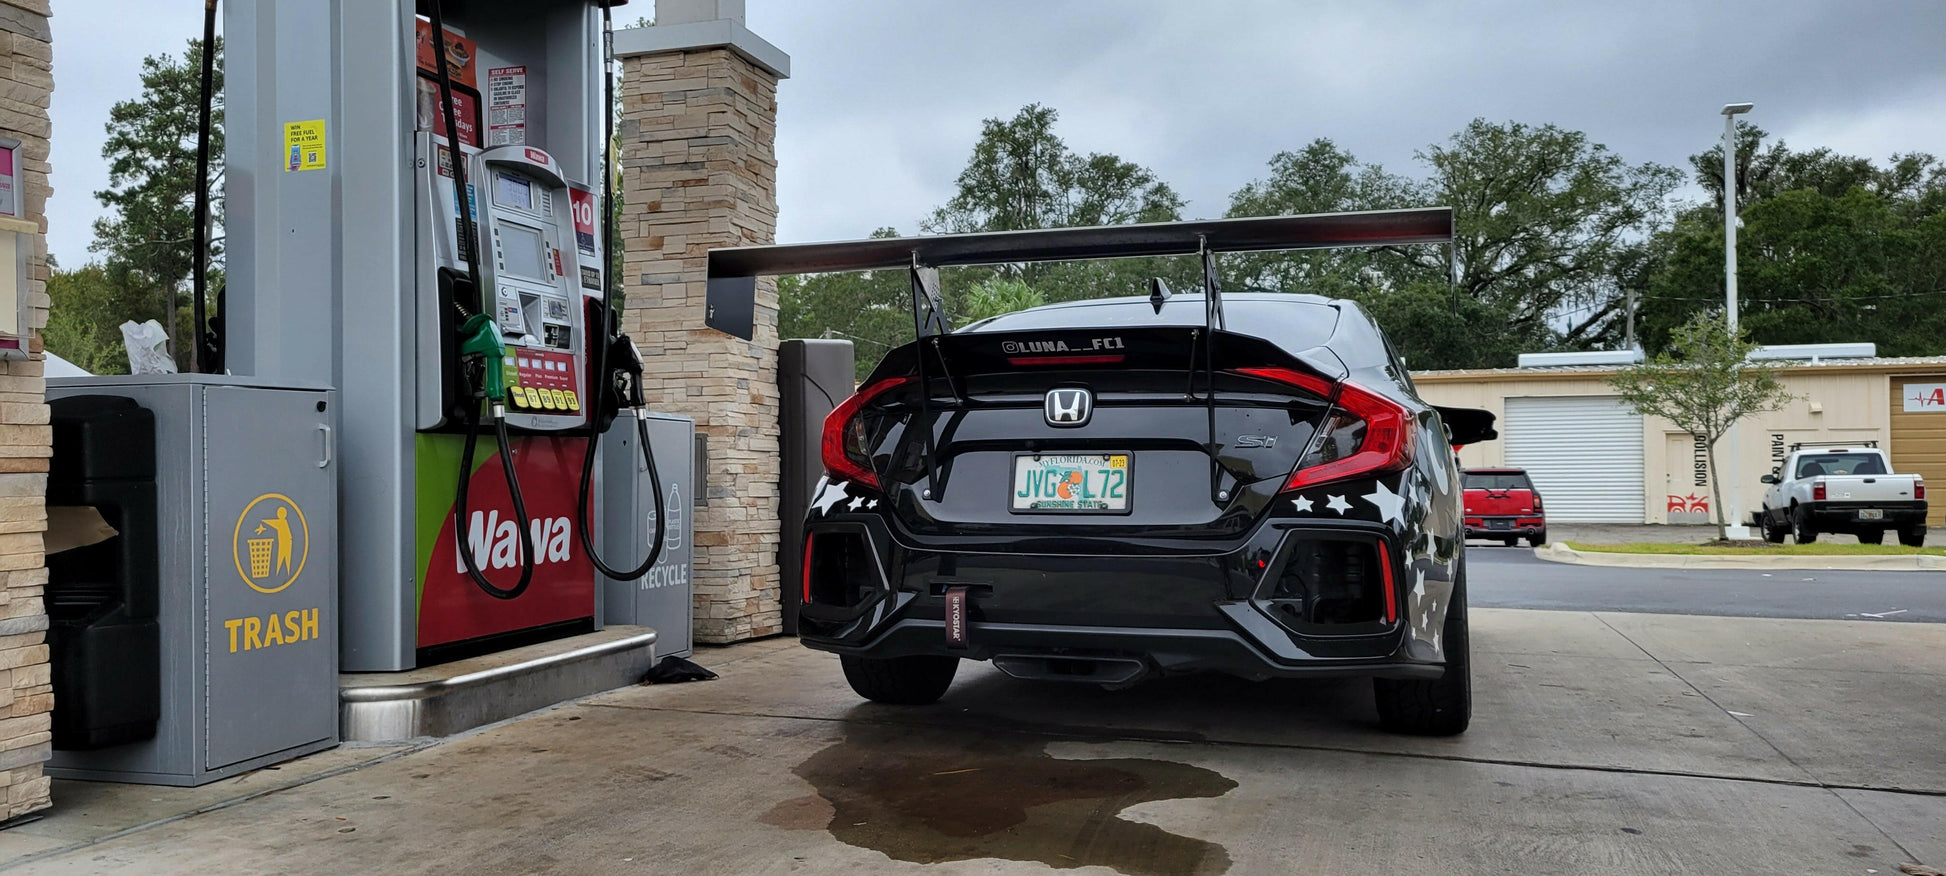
x: 1871, y: 514
x: 1071, y: 483
x: 1500, y: 524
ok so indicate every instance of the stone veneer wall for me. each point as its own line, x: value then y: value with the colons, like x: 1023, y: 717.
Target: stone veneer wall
x: 699, y: 170
x: 26, y: 442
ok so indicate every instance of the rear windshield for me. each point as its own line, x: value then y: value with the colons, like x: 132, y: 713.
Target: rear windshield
x: 1840, y: 464
x: 1489, y: 480
x: 1290, y: 322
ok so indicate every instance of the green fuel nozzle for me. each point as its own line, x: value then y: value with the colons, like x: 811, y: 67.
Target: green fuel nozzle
x: 480, y: 337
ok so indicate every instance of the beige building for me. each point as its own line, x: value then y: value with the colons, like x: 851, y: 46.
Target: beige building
x: 1595, y: 460
x: 26, y: 440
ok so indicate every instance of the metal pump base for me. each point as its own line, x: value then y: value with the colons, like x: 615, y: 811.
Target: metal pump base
x: 454, y: 697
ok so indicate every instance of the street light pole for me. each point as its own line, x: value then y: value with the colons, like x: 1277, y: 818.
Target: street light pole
x: 1733, y: 515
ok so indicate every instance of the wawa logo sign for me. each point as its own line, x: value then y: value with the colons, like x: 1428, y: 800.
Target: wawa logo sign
x: 495, y: 543
x: 452, y: 607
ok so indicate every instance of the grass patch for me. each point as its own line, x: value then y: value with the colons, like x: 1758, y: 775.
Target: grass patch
x: 1762, y: 549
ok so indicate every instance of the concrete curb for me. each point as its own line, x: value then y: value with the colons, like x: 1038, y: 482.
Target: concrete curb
x: 1561, y: 553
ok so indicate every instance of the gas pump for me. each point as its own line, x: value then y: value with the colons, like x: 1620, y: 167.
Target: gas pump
x: 524, y: 351
x: 446, y: 167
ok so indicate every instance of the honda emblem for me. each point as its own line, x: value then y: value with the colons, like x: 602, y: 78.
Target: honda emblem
x: 1069, y: 407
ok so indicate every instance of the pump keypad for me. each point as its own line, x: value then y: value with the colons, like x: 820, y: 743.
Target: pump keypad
x: 546, y: 381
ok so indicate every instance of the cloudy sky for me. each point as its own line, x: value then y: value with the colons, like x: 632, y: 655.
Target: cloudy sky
x: 887, y: 96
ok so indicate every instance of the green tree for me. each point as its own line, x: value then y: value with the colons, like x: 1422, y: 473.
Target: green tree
x: 1022, y: 176
x: 872, y: 309
x: 1704, y: 385
x: 1320, y: 178
x: 996, y: 296
x: 1549, y: 228
x: 1832, y: 248
x: 151, y: 152
x: 1545, y: 221
x: 83, y: 326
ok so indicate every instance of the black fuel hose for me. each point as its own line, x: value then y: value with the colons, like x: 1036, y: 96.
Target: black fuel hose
x: 461, y: 532
x: 471, y: 249
x: 202, y: 351
x: 604, y: 387
x: 655, y: 485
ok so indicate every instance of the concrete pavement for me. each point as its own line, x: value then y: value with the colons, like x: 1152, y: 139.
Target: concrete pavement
x: 1561, y: 553
x: 1625, y: 533
x: 1502, y: 577
x: 1602, y: 743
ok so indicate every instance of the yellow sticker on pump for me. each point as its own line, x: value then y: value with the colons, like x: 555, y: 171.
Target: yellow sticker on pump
x: 533, y: 397
x: 304, y: 145
x: 574, y: 404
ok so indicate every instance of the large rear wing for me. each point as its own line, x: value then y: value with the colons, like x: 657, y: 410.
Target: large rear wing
x: 733, y: 272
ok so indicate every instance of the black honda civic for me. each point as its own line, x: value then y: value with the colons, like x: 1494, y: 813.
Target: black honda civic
x: 1107, y: 490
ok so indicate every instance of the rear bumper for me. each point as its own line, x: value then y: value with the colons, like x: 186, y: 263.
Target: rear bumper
x: 1100, y: 654
x: 1109, y: 619
x: 1502, y: 526
x: 1844, y: 516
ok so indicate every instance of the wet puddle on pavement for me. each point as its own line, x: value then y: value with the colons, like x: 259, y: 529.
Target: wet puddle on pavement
x: 929, y: 797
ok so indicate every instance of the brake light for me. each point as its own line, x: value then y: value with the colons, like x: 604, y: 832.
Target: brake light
x: 1817, y: 491
x: 847, y: 455
x: 1918, y: 489
x: 1038, y: 361
x: 1537, y: 503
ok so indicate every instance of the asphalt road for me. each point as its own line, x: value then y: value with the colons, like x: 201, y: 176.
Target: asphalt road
x: 1503, y: 577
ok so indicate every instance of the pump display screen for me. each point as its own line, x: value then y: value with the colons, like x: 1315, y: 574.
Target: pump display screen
x: 520, y: 251
x: 513, y: 191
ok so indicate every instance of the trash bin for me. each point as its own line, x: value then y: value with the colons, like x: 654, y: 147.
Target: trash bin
x: 244, y: 667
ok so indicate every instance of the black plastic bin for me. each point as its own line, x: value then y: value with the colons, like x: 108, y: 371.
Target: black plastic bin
x: 103, y: 640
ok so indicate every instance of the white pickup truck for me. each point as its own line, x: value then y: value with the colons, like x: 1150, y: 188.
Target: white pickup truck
x: 1842, y: 488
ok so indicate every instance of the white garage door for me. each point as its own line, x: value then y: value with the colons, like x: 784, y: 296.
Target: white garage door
x: 1584, y: 454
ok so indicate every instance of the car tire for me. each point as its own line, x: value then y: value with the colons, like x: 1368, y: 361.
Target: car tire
x: 1537, y: 539
x: 1913, y: 537
x: 1801, y: 526
x: 918, y: 680
x: 1440, y: 706
x: 1871, y: 536
x: 1511, y: 540
x: 1774, y: 533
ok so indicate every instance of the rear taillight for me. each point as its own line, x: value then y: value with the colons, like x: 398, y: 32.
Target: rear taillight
x: 1537, y: 503
x: 1918, y: 489
x: 1369, y: 434
x: 1381, y: 430
x: 1817, y: 491
x: 846, y: 447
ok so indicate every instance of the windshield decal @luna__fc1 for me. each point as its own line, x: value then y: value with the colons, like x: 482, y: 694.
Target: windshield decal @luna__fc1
x: 1058, y: 346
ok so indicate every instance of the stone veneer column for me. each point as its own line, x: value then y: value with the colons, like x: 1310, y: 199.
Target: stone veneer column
x: 699, y: 171
x: 26, y: 441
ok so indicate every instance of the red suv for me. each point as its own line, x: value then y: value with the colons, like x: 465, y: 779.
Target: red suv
x: 1501, y: 503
